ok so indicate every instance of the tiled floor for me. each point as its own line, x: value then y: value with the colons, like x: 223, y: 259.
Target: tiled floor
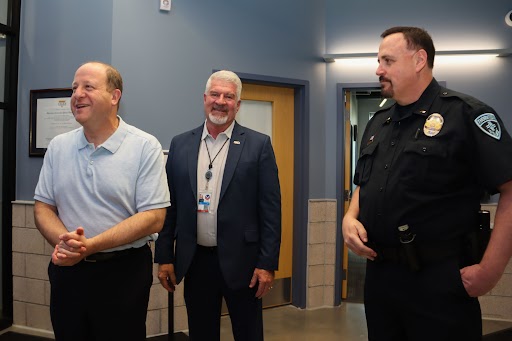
x: 288, y: 323
x: 346, y: 322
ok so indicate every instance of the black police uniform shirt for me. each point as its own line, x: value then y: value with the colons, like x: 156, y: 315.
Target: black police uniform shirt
x: 428, y: 164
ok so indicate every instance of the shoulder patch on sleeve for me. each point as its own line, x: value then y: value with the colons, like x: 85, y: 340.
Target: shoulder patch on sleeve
x: 489, y: 124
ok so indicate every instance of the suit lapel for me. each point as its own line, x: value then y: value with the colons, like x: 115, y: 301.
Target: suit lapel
x: 193, y: 153
x: 234, y: 152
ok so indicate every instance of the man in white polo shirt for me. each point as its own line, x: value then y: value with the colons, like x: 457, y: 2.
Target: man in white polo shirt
x: 101, y: 197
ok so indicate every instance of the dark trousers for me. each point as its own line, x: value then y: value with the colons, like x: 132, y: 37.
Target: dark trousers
x: 105, y: 300
x: 431, y: 304
x: 203, y: 291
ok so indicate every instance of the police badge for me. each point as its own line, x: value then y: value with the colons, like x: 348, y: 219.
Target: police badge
x: 433, y: 125
x: 489, y: 124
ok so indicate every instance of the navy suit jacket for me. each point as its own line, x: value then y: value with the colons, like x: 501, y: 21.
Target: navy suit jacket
x: 249, y: 210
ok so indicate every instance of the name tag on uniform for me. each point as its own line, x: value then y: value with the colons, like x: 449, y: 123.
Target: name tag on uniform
x: 204, y: 201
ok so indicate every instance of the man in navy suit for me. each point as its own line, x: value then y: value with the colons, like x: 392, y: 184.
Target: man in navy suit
x: 222, y: 232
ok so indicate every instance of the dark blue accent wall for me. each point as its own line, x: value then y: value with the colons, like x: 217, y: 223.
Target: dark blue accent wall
x: 166, y: 57
x: 454, y: 25
x: 55, y: 38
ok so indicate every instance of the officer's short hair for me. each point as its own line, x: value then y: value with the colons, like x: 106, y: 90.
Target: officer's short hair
x: 417, y: 38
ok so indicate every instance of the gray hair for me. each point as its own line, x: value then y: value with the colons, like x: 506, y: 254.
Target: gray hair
x: 228, y: 76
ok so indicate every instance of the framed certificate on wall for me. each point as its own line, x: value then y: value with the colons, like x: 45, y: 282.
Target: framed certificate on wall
x: 50, y: 115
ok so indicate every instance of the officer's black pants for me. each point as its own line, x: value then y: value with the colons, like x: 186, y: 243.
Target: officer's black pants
x: 431, y: 304
x: 102, y: 301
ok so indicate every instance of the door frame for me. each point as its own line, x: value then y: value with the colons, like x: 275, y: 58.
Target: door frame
x: 301, y: 176
x: 339, y: 275
x: 9, y: 107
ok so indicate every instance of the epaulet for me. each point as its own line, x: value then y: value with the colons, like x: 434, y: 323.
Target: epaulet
x: 380, y: 111
x: 469, y: 100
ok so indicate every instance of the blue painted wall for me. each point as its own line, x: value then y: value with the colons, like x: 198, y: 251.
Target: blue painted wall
x: 55, y: 38
x: 454, y: 25
x: 165, y: 58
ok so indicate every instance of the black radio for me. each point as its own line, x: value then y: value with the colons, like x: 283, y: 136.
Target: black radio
x: 408, y: 246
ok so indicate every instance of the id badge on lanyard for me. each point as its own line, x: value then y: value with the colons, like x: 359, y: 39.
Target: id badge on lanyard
x: 204, y: 201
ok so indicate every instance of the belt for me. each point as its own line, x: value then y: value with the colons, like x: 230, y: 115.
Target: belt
x: 427, y: 253
x: 107, y: 256
x: 207, y: 248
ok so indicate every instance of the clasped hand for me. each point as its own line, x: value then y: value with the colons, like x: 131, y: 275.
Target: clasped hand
x: 71, y: 248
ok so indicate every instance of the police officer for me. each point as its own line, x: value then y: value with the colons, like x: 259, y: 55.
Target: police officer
x: 424, y: 165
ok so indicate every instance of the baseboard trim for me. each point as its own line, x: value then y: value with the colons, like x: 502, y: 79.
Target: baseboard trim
x: 179, y: 336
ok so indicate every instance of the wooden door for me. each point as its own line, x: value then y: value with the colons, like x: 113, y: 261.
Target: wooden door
x: 280, y: 103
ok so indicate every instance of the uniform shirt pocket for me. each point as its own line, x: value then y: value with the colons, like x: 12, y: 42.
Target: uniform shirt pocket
x: 365, y: 163
x: 426, y: 165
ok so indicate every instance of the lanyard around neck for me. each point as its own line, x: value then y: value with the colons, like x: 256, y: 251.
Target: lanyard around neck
x: 208, y: 174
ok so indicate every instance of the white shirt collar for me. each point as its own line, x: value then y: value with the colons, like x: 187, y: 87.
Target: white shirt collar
x: 228, y: 132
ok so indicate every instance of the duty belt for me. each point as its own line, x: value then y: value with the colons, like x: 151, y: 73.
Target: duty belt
x: 427, y: 253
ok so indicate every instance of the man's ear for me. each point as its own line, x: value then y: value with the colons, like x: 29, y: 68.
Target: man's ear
x: 116, y: 96
x: 420, y: 59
